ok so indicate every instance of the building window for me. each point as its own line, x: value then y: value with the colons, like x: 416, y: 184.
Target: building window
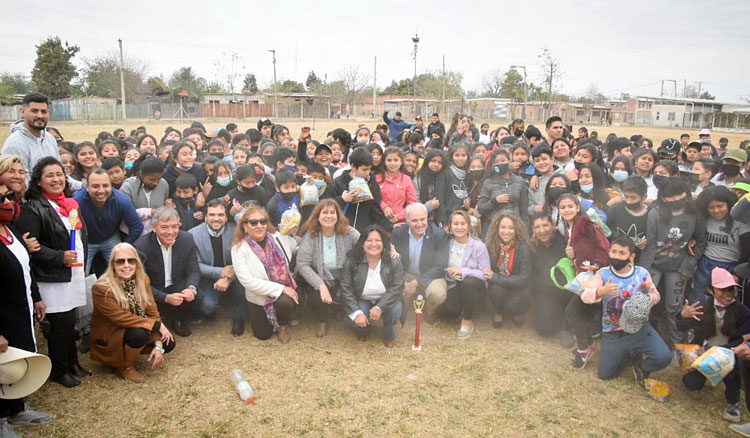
x: 617, y: 116
x: 596, y: 114
x: 657, y: 115
x: 579, y: 112
x: 671, y: 117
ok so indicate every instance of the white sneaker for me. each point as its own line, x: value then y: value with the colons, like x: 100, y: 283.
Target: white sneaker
x: 464, y: 332
x: 6, y: 431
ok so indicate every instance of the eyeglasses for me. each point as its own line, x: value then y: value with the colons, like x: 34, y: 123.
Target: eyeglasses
x: 10, y: 195
x: 255, y: 222
x: 130, y: 261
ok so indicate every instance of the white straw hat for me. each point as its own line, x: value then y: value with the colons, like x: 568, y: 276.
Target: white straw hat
x: 22, y: 372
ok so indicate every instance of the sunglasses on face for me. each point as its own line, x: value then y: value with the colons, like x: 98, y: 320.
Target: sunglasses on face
x: 10, y: 195
x: 121, y: 262
x: 255, y: 222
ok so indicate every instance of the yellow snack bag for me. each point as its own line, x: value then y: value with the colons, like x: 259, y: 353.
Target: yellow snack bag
x: 657, y: 390
x: 687, y: 354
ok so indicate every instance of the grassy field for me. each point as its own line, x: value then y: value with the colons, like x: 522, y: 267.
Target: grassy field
x: 77, y: 132
x: 499, y: 383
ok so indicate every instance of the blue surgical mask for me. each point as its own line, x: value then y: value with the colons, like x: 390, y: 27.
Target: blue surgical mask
x: 319, y: 183
x: 129, y: 165
x: 619, y: 175
x: 587, y: 188
x: 224, y: 182
x: 290, y: 167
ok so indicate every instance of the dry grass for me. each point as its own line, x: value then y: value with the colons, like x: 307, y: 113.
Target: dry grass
x: 75, y: 131
x: 497, y: 383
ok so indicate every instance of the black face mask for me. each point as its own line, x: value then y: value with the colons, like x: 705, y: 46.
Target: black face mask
x: 266, y: 159
x: 219, y: 155
x: 659, y: 180
x: 676, y: 205
x: 502, y: 169
x: 730, y: 170
x: 300, y: 179
x: 183, y: 202
x: 556, y: 192
x: 286, y: 197
x: 518, y: 133
x: 578, y: 165
x: 634, y: 206
x: 618, y: 264
x: 476, y: 175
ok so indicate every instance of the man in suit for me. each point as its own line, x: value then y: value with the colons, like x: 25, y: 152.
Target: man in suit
x: 423, y: 248
x: 171, y: 262
x: 213, y: 239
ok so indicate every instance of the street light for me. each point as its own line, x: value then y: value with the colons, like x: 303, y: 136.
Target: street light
x: 525, y: 89
x: 415, y: 40
x: 275, y: 93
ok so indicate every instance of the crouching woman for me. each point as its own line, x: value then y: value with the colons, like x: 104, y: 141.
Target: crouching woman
x: 125, y: 322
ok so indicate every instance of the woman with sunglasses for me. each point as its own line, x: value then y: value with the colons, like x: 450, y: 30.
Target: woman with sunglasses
x: 261, y: 257
x: 126, y: 322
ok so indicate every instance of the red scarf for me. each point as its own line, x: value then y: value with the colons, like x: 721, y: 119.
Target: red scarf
x: 67, y: 206
x: 505, y: 260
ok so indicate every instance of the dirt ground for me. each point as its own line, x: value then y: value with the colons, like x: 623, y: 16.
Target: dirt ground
x: 498, y: 383
x: 75, y: 131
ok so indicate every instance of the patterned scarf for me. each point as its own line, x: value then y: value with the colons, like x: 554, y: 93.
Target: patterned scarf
x: 128, y: 286
x: 277, y: 269
x: 67, y: 206
x: 505, y: 260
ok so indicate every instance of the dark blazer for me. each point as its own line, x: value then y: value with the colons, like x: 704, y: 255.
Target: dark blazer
x: 434, y: 258
x: 185, y: 270
x: 15, y: 321
x: 520, y: 273
x: 40, y: 220
x: 209, y: 272
x: 354, y: 277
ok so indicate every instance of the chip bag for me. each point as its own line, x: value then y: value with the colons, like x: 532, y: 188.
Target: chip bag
x: 657, y: 389
x: 308, y: 194
x: 365, y: 194
x: 290, y: 220
x: 687, y: 354
x: 715, y: 364
x: 580, y: 282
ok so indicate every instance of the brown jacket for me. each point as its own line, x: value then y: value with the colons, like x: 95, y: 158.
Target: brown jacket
x: 109, y: 322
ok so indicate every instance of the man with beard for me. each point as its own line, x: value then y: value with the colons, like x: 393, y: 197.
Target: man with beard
x: 29, y: 139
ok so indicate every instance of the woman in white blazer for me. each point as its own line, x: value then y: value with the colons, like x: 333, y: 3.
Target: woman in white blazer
x: 261, y: 259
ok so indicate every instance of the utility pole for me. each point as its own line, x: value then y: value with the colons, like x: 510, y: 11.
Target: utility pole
x: 415, y: 40
x: 684, y: 88
x: 661, y: 93
x: 442, y: 100
x: 374, y: 85
x: 525, y: 89
x: 700, y: 86
x: 122, y: 82
x: 275, y: 90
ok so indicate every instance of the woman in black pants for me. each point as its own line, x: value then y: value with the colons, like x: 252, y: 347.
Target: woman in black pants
x: 49, y: 215
x: 467, y: 262
x: 512, y: 265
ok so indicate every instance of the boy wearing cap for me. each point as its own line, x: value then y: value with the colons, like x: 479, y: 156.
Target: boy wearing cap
x: 395, y: 125
x: 720, y: 321
x: 669, y: 149
x: 614, y: 286
x: 731, y: 167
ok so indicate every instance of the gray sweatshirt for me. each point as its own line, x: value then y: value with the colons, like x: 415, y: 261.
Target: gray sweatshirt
x: 30, y: 149
x: 667, y: 243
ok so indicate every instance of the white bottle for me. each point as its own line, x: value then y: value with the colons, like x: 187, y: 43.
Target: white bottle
x: 244, y: 388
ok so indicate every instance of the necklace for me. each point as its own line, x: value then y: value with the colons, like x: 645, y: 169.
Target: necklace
x: 7, y: 240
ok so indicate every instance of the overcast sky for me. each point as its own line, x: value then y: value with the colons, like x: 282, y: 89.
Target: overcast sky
x: 628, y: 48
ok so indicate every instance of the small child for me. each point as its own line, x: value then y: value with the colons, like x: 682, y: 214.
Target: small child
x: 116, y: 170
x: 184, y: 199
x: 287, y: 195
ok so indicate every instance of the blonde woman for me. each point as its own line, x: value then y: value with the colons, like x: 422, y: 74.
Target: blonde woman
x: 126, y: 322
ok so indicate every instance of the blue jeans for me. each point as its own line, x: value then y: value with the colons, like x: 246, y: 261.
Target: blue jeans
x: 390, y: 317
x: 702, y: 277
x: 619, y: 348
x: 209, y: 299
x: 104, y: 248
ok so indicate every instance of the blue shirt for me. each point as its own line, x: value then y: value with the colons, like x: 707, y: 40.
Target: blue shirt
x: 415, y: 253
x: 103, y: 223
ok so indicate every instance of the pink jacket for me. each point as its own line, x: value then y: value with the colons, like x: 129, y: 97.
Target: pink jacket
x: 396, y: 193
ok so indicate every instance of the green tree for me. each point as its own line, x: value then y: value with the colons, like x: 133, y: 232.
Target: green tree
x: 158, y: 86
x: 100, y: 76
x: 290, y: 86
x: 400, y: 88
x: 429, y: 84
x: 214, y: 87
x: 53, y: 70
x: 312, y: 81
x: 249, y: 84
x: 12, y: 84
x: 512, y: 86
x: 186, y: 79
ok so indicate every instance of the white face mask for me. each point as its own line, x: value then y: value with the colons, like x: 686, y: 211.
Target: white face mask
x: 382, y: 145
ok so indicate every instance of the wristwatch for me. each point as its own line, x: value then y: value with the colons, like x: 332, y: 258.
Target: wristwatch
x: 159, y: 348
x: 193, y: 290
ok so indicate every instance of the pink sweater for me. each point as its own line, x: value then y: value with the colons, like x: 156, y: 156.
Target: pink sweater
x: 396, y: 193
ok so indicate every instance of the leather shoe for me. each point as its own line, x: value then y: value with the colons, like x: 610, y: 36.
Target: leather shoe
x: 78, y: 371
x: 238, y: 327
x: 284, y: 335
x: 181, y: 328
x: 66, y: 380
x: 389, y: 344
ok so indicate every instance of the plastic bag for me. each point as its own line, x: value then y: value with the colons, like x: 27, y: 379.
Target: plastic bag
x: 595, y: 218
x: 715, y: 364
x: 308, y: 194
x: 365, y: 194
x: 290, y: 220
x: 657, y: 389
x: 687, y: 354
x: 580, y: 282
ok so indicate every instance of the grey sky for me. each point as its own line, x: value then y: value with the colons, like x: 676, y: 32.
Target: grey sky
x: 629, y: 47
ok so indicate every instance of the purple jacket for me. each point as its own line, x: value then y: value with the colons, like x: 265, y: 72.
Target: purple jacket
x: 476, y: 259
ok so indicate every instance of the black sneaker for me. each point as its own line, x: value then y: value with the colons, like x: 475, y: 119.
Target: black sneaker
x: 581, y: 358
x: 638, y: 372
x: 733, y: 412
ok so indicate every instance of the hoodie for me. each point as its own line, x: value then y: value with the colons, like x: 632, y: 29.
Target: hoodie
x: 361, y: 214
x: 30, y: 149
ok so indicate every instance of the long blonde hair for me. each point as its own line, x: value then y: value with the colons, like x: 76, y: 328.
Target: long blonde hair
x: 113, y: 283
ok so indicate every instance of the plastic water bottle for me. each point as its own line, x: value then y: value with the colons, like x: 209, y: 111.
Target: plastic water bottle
x: 244, y: 388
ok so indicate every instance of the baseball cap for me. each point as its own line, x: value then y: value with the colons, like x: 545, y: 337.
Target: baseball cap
x: 323, y: 147
x: 704, y: 131
x: 669, y: 146
x: 722, y: 279
x: 736, y: 154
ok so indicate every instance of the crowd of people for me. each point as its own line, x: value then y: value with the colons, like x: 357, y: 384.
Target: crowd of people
x: 358, y: 225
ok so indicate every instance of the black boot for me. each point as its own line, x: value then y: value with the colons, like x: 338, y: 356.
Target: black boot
x: 67, y: 380
x: 78, y: 371
x: 238, y: 327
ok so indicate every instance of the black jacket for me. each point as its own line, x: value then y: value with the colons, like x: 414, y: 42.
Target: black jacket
x: 185, y: 269
x: 520, y: 273
x: 435, y: 251
x: 171, y: 174
x: 737, y: 316
x: 361, y: 214
x: 40, y: 220
x: 354, y: 277
x: 15, y: 321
